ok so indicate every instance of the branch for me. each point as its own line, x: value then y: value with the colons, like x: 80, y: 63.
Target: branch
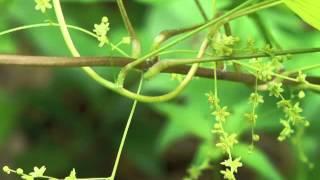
x: 136, y: 45
x: 49, y: 62
x: 160, y: 66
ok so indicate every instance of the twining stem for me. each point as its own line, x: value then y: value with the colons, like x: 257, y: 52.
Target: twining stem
x: 201, y: 10
x: 256, y: 7
x: 125, y: 133
x: 136, y: 45
x: 160, y: 66
x: 129, y: 94
x: 91, y: 73
x: 124, y: 71
x: 306, y: 68
x: 167, y: 34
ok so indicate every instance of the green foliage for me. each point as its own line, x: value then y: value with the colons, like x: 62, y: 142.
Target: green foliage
x: 307, y: 10
x: 244, y: 111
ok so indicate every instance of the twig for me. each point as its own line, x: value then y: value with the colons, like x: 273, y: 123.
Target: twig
x: 203, y: 13
x: 51, y: 62
x: 136, y: 46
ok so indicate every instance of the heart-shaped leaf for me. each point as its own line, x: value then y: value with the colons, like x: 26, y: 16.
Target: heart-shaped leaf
x: 308, y: 10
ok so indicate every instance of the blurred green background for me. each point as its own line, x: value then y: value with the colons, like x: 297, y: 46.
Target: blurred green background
x: 62, y: 119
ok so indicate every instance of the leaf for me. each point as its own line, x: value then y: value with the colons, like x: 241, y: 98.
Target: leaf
x: 257, y: 161
x: 308, y: 10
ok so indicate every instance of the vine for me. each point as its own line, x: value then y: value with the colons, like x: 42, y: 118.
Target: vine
x: 265, y: 67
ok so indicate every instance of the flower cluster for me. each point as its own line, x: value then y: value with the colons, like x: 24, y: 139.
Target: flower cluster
x: 275, y: 89
x: 266, y: 70
x: 231, y: 168
x: 293, y: 118
x: 36, y: 173
x: 101, y: 31
x: 43, y: 5
x: 255, y: 99
x: 292, y: 111
x: 226, y: 141
x: 223, y: 45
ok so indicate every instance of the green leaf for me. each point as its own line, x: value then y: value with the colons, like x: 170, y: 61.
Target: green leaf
x: 308, y: 10
x: 258, y: 161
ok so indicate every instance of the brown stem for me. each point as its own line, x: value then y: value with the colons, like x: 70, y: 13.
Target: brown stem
x: 46, y: 61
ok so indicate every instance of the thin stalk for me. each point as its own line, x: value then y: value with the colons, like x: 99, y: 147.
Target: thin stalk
x: 31, y: 26
x: 125, y: 133
x: 167, y: 34
x: 136, y: 45
x: 201, y: 10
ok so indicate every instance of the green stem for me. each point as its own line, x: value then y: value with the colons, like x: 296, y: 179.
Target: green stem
x: 167, y: 34
x: 256, y: 7
x: 201, y: 10
x: 160, y: 66
x: 307, y: 68
x: 225, y: 17
x: 136, y: 45
x: 91, y: 73
x: 31, y: 26
x: 125, y: 133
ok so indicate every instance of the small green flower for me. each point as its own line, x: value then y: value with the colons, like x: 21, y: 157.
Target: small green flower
x: 227, y: 142
x: 223, y: 45
x: 264, y: 71
x: 293, y: 113
x: 301, y: 77
x: 221, y: 114
x: 275, y: 89
x: 212, y: 99
x: 101, y: 31
x: 255, y: 99
x: 72, y: 175
x: 286, y: 131
x: 19, y: 171
x: 43, y: 5
x: 284, y: 103
x: 38, y: 172
x: 251, y: 117
x: 6, y: 169
x: 228, y: 174
x: 232, y: 164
